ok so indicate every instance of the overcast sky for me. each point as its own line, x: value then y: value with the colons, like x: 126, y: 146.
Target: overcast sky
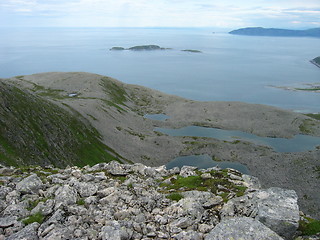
x: 161, y: 13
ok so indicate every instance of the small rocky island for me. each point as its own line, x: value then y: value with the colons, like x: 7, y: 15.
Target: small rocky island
x: 191, y: 50
x: 150, y: 48
x: 139, y: 48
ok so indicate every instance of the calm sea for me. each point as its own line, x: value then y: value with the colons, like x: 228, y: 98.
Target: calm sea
x: 231, y: 68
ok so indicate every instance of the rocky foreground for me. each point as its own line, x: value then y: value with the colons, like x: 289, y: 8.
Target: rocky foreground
x: 119, y: 201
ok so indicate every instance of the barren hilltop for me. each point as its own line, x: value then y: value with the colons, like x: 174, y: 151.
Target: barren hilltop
x: 109, y: 116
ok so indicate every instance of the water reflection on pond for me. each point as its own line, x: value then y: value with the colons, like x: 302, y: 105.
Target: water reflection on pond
x: 299, y: 143
x: 204, y: 162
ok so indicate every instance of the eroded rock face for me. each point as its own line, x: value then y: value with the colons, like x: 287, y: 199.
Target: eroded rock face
x: 114, y: 201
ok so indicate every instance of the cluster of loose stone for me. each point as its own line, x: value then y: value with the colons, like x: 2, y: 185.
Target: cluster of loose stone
x: 121, y: 201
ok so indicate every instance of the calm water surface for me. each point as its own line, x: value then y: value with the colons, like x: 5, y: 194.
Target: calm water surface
x: 298, y: 143
x: 231, y: 68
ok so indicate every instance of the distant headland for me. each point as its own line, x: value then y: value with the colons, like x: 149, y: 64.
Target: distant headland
x: 259, y: 31
x: 316, y: 61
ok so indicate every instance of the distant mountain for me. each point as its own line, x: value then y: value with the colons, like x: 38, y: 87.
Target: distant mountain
x: 259, y: 31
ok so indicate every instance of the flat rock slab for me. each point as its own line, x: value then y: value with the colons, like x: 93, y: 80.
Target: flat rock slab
x: 242, y: 228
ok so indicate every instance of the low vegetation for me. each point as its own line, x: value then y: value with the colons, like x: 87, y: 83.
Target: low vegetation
x: 37, y: 217
x: 306, y: 126
x: 117, y: 94
x: 309, y: 226
x: 218, y: 183
x: 35, y: 131
x: 175, y: 196
x: 314, y: 115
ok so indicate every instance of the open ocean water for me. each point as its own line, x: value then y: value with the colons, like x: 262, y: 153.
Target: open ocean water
x: 230, y: 67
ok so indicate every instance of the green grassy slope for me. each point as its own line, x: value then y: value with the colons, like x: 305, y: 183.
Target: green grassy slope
x: 34, y: 131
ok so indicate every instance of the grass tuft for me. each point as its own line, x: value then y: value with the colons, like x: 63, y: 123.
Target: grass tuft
x: 37, y: 217
x: 175, y: 196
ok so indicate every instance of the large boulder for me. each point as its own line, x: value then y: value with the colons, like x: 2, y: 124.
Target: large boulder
x: 31, y: 184
x: 117, y: 169
x: 111, y: 231
x: 240, y: 228
x: 86, y: 189
x: 278, y: 209
x: 275, y: 207
x: 65, y: 195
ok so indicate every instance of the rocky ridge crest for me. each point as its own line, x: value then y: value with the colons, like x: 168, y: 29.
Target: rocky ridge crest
x: 122, y: 201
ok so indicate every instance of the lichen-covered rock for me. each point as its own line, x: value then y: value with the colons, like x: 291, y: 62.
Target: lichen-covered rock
x: 244, y: 206
x: 18, y: 210
x: 65, y: 195
x: 189, y: 235
x: 117, y: 169
x: 111, y: 231
x: 275, y: 207
x: 241, y: 228
x: 86, y: 189
x: 187, y: 171
x: 7, y: 221
x: 46, y: 208
x: 278, y: 210
x: 31, y: 184
x: 29, y: 232
x: 251, y: 182
x: 4, y: 191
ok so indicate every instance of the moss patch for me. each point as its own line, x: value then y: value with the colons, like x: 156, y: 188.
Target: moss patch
x: 37, y: 217
x: 174, y: 196
x: 309, y: 226
x: 218, y: 178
